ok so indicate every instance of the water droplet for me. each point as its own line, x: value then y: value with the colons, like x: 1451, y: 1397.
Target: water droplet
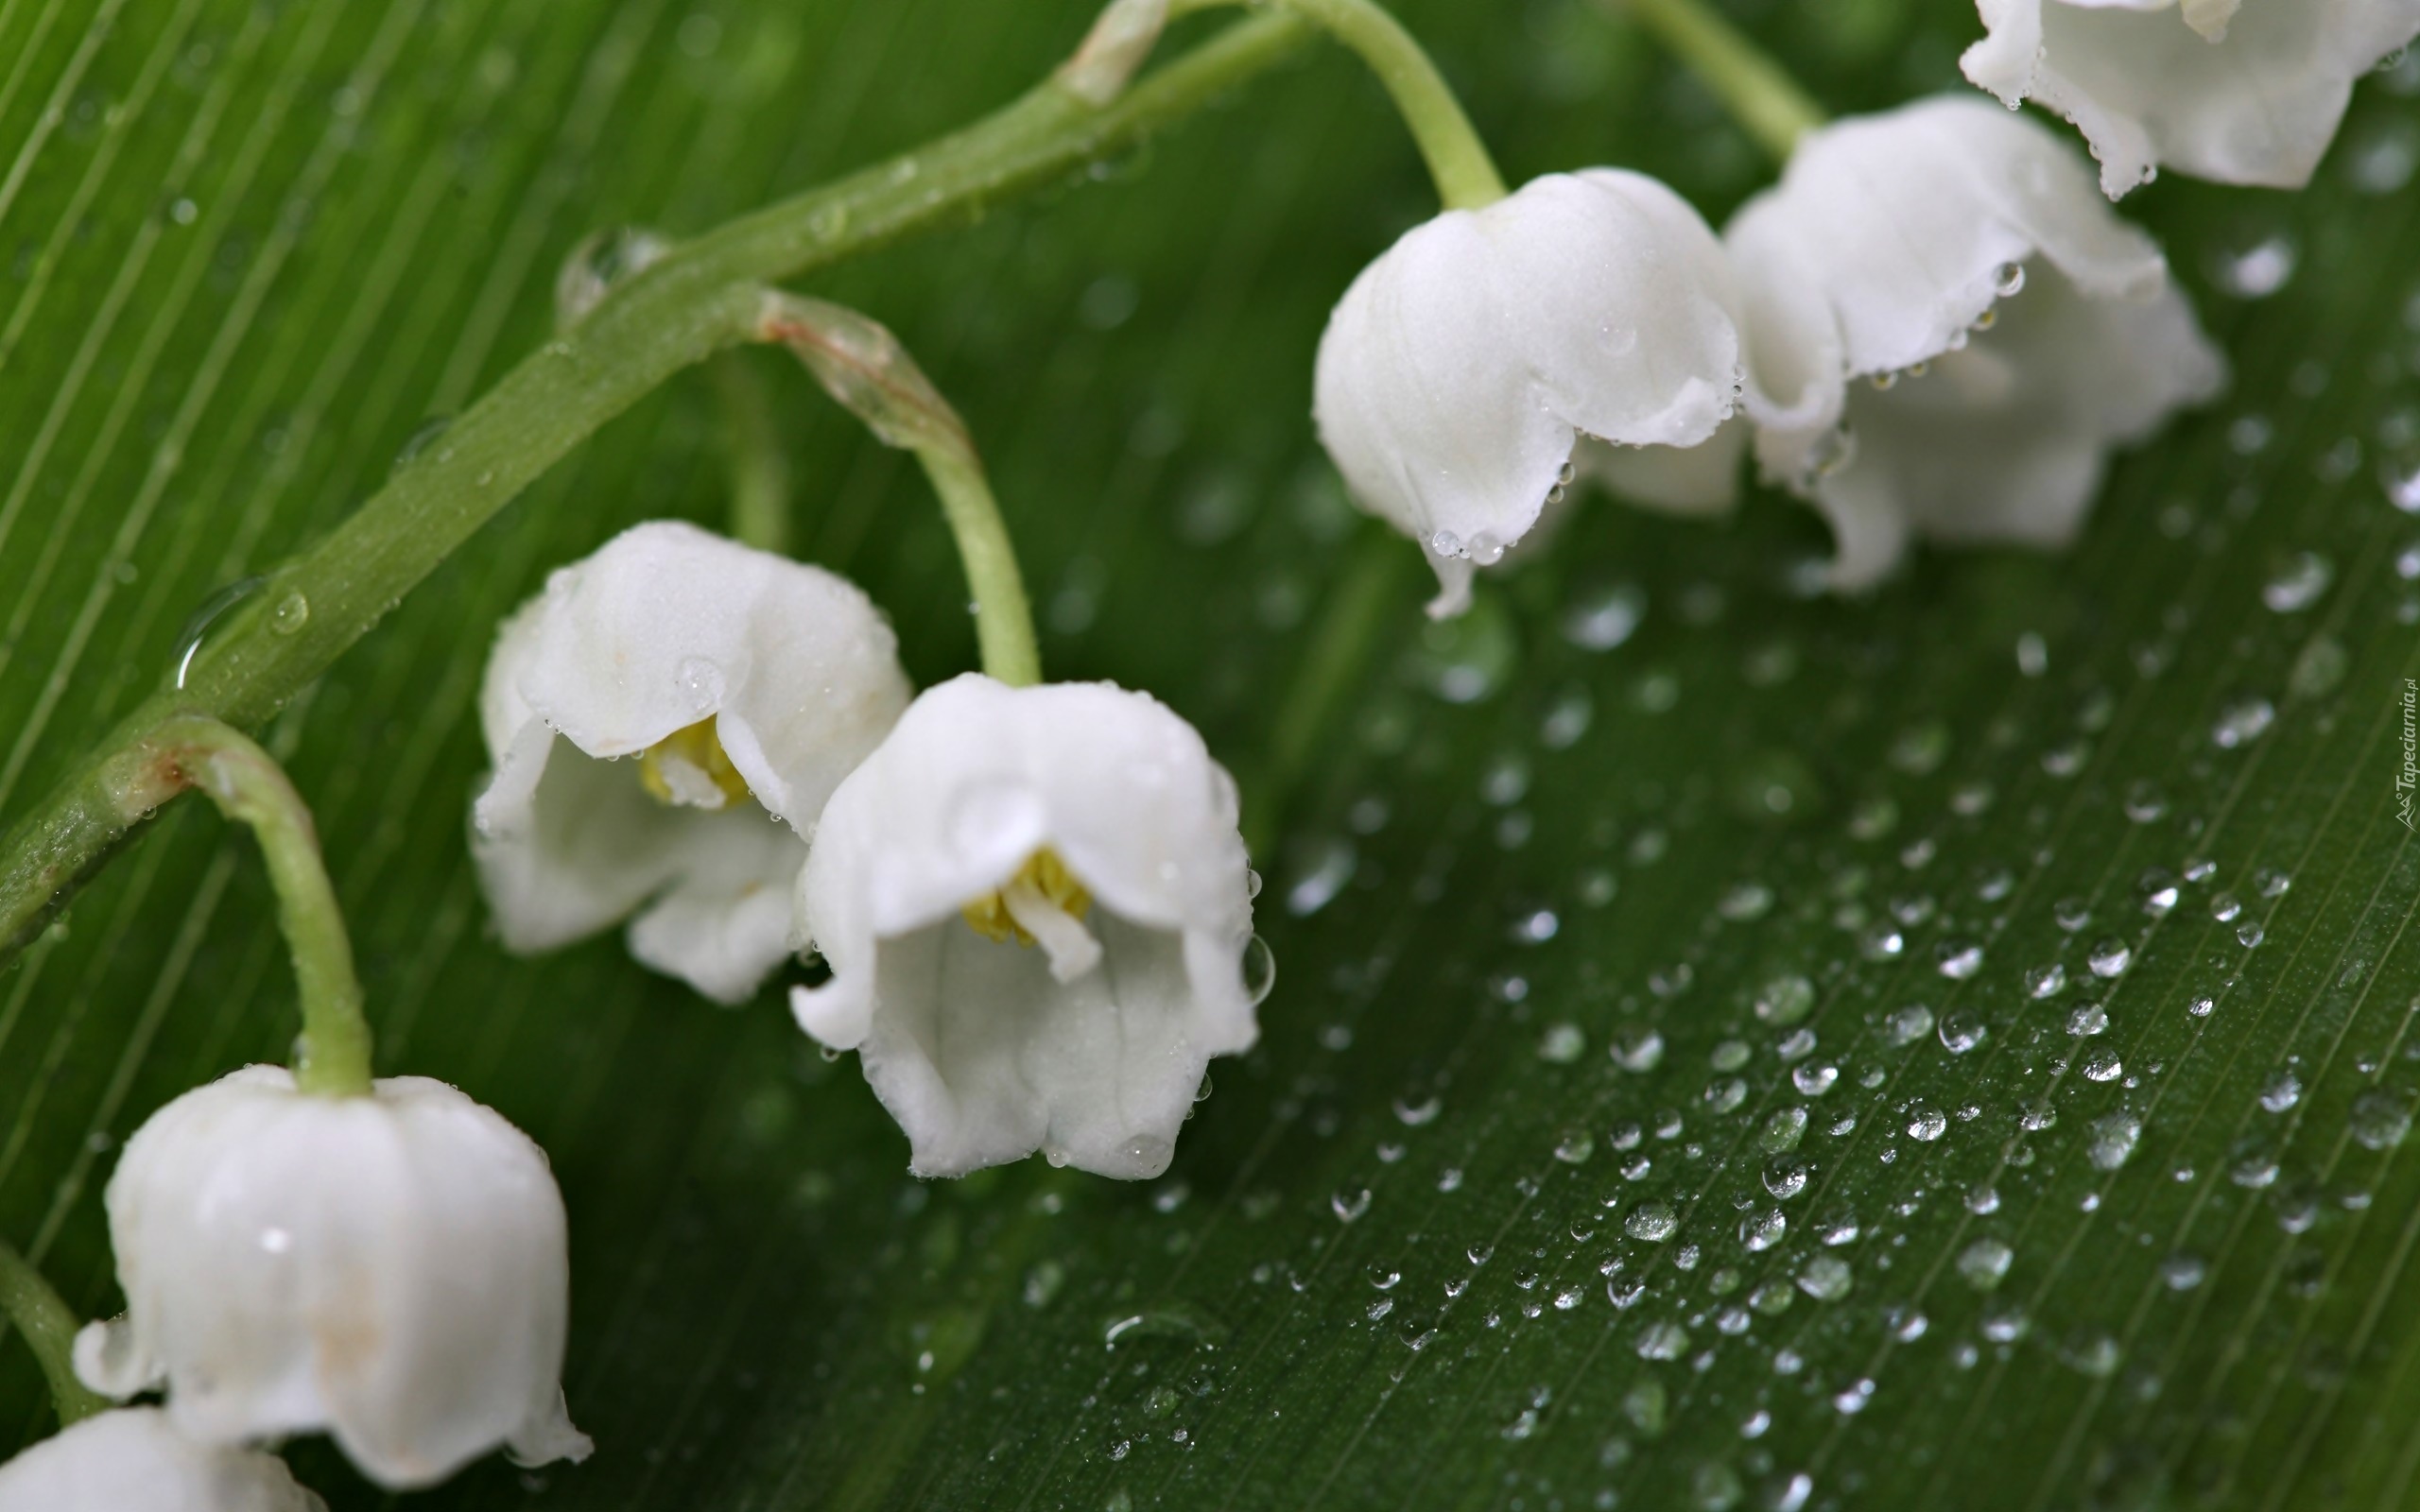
x: 1663, y: 1341
x: 1961, y: 1032
x: 420, y: 440
x: 1814, y: 1080
x: 2256, y: 268
x: 1825, y: 1277
x: 2298, y: 583
x: 1575, y: 1147
x: 1652, y: 1221
x: 293, y: 613
x: 2045, y: 981
x: 1786, y: 1000
x: 1561, y: 1044
x: 1786, y: 1174
x: 2380, y: 1119
x: 1260, y: 973
x: 1761, y: 1232
x: 1639, y: 1050
x: 1909, y: 1024
x: 1350, y: 1205
x: 210, y: 610
x: 2113, y: 1136
x: 1784, y: 1130
x: 2088, y: 1019
x: 1958, y: 959
x: 2242, y: 722
x: 2283, y: 1091
x: 2009, y: 279
x: 1984, y: 1263
x: 2100, y: 1063
x: 600, y: 263
x: 2110, y: 957
x: 1926, y: 1123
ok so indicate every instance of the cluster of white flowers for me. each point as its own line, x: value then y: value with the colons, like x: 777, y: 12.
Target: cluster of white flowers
x: 1933, y: 327
x: 1034, y: 902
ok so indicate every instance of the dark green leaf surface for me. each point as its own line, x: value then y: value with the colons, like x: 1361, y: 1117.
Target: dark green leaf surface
x: 247, y: 249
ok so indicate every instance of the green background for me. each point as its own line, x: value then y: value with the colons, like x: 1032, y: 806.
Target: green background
x: 247, y: 249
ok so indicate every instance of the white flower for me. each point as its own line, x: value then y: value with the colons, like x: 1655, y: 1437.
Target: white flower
x: 2240, y: 91
x: 746, y: 685
x: 389, y: 1269
x: 1463, y: 365
x: 1035, y: 908
x: 1948, y: 331
x: 133, y: 1461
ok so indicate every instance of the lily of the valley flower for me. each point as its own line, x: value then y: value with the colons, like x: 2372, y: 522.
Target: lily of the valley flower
x: 2240, y: 91
x: 1463, y: 366
x: 1948, y: 331
x: 388, y: 1268
x: 746, y: 685
x: 1035, y: 906
x: 132, y: 1460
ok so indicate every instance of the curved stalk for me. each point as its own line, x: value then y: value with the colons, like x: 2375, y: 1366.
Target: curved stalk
x: 1757, y: 91
x: 332, y: 1057
x: 754, y: 467
x: 48, y: 1327
x: 1466, y: 175
x: 1003, y: 616
x: 699, y: 298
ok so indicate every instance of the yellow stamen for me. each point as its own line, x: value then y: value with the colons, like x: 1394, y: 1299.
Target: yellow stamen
x: 989, y: 916
x: 697, y: 748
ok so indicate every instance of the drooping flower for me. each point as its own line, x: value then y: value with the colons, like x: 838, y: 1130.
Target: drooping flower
x: 747, y: 686
x: 2240, y: 91
x: 1035, y: 906
x: 1462, y: 366
x: 1948, y: 331
x: 389, y: 1269
x: 132, y: 1460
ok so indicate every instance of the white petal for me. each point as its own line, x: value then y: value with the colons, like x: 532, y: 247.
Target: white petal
x: 2243, y: 94
x: 132, y: 1460
x: 2008, y: 441
x: 981, y: 1048
x: 1907, y: 224
x: 663, y: 627
x: 1888, y: 241
x: 388, y: 1268
x: 1460, y: 368
x: 725, y: 924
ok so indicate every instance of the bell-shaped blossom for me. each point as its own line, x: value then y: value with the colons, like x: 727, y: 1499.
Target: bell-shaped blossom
x: 2240, y: 91
x: 1036, y: 909
x: 747, y: 686
x: 1948, y: 331
x: 132, y: 1460
x: 388, y: 1268
x: 1463, y: 365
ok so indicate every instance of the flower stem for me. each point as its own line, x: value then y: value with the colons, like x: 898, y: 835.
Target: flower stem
x: 698, y: 298
x: 758, y: 471
x: 48, y: 1327
x: 332, y: 1057
x: 1756, y: 89
x: 868, y: 373
x: 1458, y: 160
x: 1003, y: 615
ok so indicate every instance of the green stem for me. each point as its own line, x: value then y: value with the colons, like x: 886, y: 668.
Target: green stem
x: 48, y: 1328
x: 1358, y: 609
x: 758, y: 470
x: 1458, y: 160
x: 1003, y: 616
x: 332, y: 1057
x: 699, y: 298
x: 1756, y: 89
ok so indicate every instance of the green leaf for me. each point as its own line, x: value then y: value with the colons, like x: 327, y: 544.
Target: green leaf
x: 1455, y: 1235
